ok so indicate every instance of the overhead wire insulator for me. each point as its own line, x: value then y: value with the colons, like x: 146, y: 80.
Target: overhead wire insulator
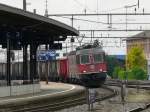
x: 85, y: 11
x: 143, y: 10
x: 135, y: 10
x: 108, y: 19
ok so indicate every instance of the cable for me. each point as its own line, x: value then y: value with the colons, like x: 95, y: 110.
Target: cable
x: 87, y: 20
x: 97, y: 7
x: 113, y: 9
x: 83, y: 20
x: 79, y: 3
x: 82, y: 5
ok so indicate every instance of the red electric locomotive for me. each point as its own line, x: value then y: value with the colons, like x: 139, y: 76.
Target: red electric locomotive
x: 88, y: 64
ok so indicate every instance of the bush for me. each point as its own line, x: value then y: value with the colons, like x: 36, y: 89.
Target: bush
x: 119, y: 73
x: 137, y: 73
x: 113, y: 64
x: 122, y: 75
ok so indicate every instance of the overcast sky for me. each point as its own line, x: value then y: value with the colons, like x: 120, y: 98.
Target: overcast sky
x: 76, y: 6
x: 91, y: 6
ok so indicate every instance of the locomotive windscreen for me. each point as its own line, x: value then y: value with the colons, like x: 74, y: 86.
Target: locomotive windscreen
x: 98, y: 57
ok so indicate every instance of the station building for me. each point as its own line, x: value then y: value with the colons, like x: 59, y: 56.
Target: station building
x: 142, y: 39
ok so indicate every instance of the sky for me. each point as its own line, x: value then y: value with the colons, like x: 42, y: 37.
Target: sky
x: 111, y: 46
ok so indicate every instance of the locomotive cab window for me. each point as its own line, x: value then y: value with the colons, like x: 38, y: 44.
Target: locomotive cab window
x: 98, y: 57
x: 78, y: 59
x: 85, y: 59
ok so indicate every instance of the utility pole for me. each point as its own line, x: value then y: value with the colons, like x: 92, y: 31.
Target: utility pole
x: 138, y: 3
x: 130, y: 6
x: 24, y: 5
x: 46, y: 46
x: 72, y: 38
x: 46, y: 9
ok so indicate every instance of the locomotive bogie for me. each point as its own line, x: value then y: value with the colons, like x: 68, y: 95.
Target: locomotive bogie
x: 93, y: 80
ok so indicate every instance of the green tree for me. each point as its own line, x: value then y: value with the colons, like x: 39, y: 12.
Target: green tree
x: 136, y: 64
x: 136, y: 58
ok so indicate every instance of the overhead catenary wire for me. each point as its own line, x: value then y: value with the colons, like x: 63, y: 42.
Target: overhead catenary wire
x: 87, y: 20
x: 104, y: 44
x: 84, y: 6
x: 117, y: 42
x: 96, y: 11
x: 92, y: 21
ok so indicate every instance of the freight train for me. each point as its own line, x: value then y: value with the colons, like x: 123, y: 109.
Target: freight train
x: 85, y: 66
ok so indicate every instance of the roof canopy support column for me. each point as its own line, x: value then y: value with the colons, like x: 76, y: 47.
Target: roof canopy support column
x: 46, y: 67
x: 8, y: 63
x: 25, y: 63
x: 33, y: 73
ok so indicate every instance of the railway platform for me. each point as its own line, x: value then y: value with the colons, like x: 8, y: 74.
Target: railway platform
x: 51, y: 93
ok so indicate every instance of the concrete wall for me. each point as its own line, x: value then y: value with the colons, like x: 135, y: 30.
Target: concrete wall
x: 19, y: 90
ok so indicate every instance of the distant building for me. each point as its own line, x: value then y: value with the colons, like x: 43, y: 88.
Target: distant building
x: 142, y: 39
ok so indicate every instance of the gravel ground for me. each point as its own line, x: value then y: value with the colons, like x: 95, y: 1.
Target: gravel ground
x: 110, y: 105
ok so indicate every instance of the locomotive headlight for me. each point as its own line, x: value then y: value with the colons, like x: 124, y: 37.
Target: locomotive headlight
x: 84, y: 71
x: 100, y: 70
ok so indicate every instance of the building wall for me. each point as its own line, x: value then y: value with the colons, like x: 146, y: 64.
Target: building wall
x: 144, y: 43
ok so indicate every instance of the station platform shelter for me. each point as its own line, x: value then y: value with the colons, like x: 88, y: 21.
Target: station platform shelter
x: 25, y: 31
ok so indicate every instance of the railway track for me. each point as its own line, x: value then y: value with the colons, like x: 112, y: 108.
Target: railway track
x: 80, y: 100
x: 134, y: 84
x: 52, y: 107
x: 129, y: 84
x: 146, y: 108
x: 63, y: 104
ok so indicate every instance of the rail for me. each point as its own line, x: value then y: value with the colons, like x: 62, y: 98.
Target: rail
x: 147, y: 106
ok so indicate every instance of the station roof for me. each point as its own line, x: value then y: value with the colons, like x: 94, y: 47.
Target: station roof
x: 32, y: 26
x: 139, y: 36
